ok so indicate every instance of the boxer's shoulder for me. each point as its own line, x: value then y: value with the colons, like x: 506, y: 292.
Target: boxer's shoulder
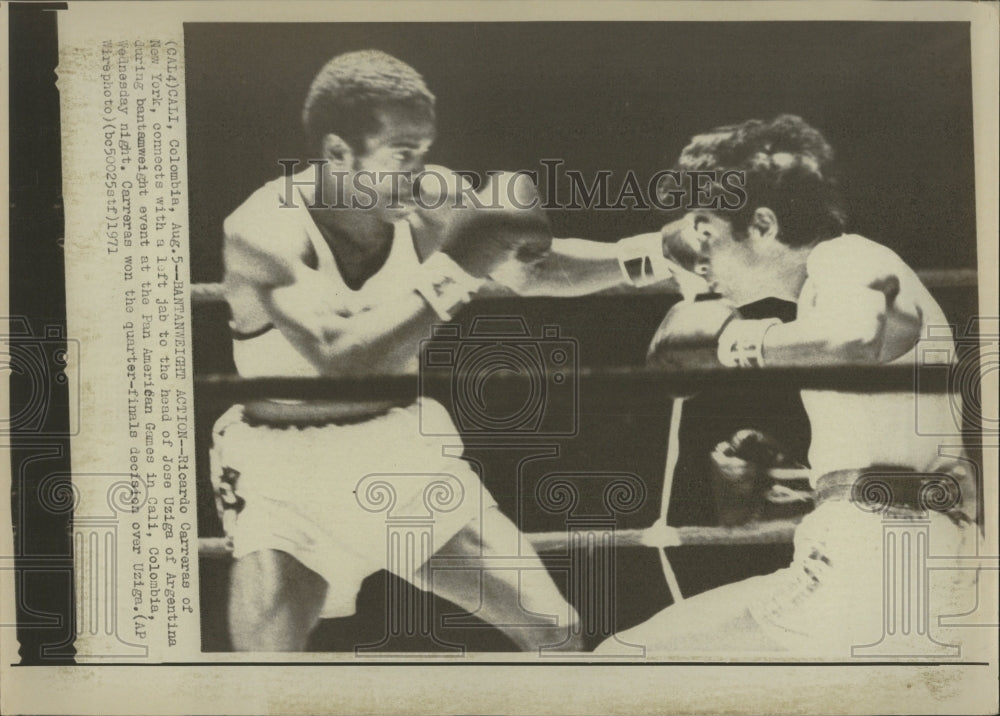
x: 854, y: 248
x: 263, y: 211
x: 852, y: 258
x: 265, y: 230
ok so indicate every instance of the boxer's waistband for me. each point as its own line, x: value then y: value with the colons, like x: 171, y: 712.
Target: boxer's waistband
x: 269, y: 413
x: 895, y: 488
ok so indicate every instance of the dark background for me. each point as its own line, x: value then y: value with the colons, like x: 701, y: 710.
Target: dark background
x: 894, y: 100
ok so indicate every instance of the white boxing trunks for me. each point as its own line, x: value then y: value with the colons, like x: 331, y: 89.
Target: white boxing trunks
x: 328, y: 495
x: 847, y: 584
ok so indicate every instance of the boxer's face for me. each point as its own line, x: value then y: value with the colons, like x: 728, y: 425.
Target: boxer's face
x: 736, y: 264
x: 382, y: 174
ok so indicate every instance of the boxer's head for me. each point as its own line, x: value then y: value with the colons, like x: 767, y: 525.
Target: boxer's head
x: 791, y: 203
x: 370, y: 115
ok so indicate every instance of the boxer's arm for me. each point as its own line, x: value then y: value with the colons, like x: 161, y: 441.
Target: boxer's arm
x: 572, y: 267
x: 567, y: 267
x: 578, y: 267
x: 860, y: 314
x: 382, y: 338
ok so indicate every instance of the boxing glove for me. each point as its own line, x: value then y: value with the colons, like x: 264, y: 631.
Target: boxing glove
x: 738, y: 475
x: 741, y: 467
x: 754, y: 447
x: 689, y: 334
x: 506, y: 225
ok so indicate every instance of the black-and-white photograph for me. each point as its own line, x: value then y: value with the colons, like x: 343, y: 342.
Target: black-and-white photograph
x: 514, y: 358
x: 517, y: 249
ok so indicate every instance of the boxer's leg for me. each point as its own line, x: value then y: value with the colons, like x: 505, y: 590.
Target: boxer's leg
x: 274, y: 602
x: 507, y: 598
x: 716, y: 620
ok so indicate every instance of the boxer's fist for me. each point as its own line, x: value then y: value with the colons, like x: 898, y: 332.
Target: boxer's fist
x: 507, y: 227
x: 688, y: 337
x: 745, y: 486
x: 751, y: 446
x: 738, y: 475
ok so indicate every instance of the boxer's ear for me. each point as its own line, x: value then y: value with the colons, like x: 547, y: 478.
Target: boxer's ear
x: 337, y: 152
x: 764, y: 224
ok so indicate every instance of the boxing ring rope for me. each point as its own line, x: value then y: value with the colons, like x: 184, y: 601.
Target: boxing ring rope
x: 656, y: 384
x: 658, y: 536
x: 208, y: 293
x: 652, y: 385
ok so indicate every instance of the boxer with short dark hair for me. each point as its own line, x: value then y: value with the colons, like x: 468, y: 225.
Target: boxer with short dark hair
x: 347, y: 95
x: 341, y: 270
x: 857, y: 303
x: 317, y: 288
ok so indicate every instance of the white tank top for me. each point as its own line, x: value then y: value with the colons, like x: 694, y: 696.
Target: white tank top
x: 267, y: 352
x: 858, y: 430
